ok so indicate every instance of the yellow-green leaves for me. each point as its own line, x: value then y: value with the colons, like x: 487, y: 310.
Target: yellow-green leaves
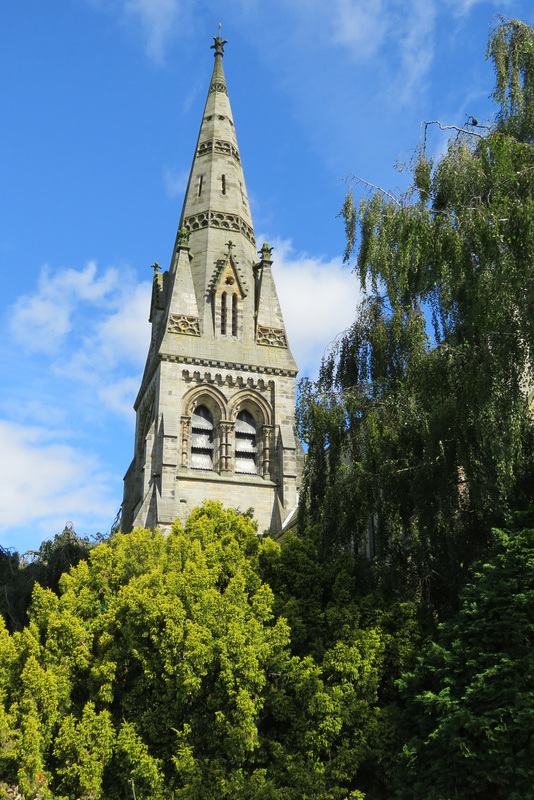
x: 154, y: 645
x: 82, y: 749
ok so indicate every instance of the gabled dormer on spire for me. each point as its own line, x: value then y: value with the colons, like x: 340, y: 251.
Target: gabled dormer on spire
x: 228, y: 290
x: 216, y: 407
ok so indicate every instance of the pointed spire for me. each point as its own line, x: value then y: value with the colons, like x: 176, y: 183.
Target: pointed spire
x: 218, y: 264
x: 216, y: 204
x: 218, y: 82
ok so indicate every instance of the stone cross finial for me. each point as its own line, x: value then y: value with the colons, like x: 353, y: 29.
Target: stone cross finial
x: 230, y: 245
x: 156, y: 267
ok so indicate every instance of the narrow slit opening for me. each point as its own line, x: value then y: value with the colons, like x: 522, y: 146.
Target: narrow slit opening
x: 223, y: 313
x: 234, y: 315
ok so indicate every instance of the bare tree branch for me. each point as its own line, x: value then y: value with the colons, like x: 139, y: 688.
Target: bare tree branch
x: 354, y: 179
x: 453, y: 128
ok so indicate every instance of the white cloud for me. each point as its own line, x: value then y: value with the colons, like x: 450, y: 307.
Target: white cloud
x: 360, y: 25
x: 93, y: 327
x: 114, y: 351
x: 45, y: 483
x: 35, y: 411
x: 175, y: 182
x: 42, y: 321
x: 73, y: 372
x: 462, y: 8
x: 398, y: 35
x: 158, y: 19
x: 124, y: 335
x: 119, y: 396
x: 416, y: 49
x: 318, y: 299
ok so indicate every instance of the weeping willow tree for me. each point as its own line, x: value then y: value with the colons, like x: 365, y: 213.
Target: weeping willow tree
x: 418, y: 430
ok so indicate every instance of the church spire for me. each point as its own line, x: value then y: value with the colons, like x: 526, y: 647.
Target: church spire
x: 216, y: 205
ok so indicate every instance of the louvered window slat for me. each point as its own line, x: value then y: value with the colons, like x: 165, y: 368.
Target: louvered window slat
x: 246, y: 466
x: 245, y: 444
x: 201, y: 460
x: 202, y: 440
x: 202, y: 445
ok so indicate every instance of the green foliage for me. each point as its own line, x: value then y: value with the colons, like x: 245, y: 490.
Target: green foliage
x: 511, y: 49
x: 470, y: 702
x: 154, y: 645
x: 17, y: 578
x: 333, y: 725
x: 167, y: 662
x: 422, y: 432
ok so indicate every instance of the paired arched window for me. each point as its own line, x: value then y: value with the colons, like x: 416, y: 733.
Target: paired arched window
x: 246, y: 448
x: 211, y: 442
x: 202, y: 443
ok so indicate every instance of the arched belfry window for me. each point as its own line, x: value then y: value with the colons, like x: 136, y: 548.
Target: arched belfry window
x: 246, y: 448
x: 202, y: 445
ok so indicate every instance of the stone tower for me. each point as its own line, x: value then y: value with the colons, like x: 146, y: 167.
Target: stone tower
x: 216, y: 407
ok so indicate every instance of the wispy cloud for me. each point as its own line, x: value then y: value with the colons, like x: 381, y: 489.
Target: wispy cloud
x: 159, y: 22
x: 463, y: 7
x: 402, y: 32
x: 41, y: 321
x: 88, y: 329
x: 175, y: 181
x: 416, y: 48
x: 92, y: 326
x: 119, y: 395
x: 361, y: 25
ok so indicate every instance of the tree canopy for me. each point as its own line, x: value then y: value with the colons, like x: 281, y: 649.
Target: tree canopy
x: 419, y: 429
x: 18, y: 577
x: 470, y: 706
x: 165, y: 667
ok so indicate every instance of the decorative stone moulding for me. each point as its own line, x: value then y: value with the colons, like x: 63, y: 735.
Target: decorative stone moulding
x: 221, y: 117
x: 227, y: 380
x: 230, y: 365
x: 218, y: 219
x: 221, y: 265
x: 218, y: 146
x: 219, y: 86
x: 182, y: 323
x: 272, y: 337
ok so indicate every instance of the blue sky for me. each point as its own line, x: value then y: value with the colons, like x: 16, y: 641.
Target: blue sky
x: 102, y: 101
